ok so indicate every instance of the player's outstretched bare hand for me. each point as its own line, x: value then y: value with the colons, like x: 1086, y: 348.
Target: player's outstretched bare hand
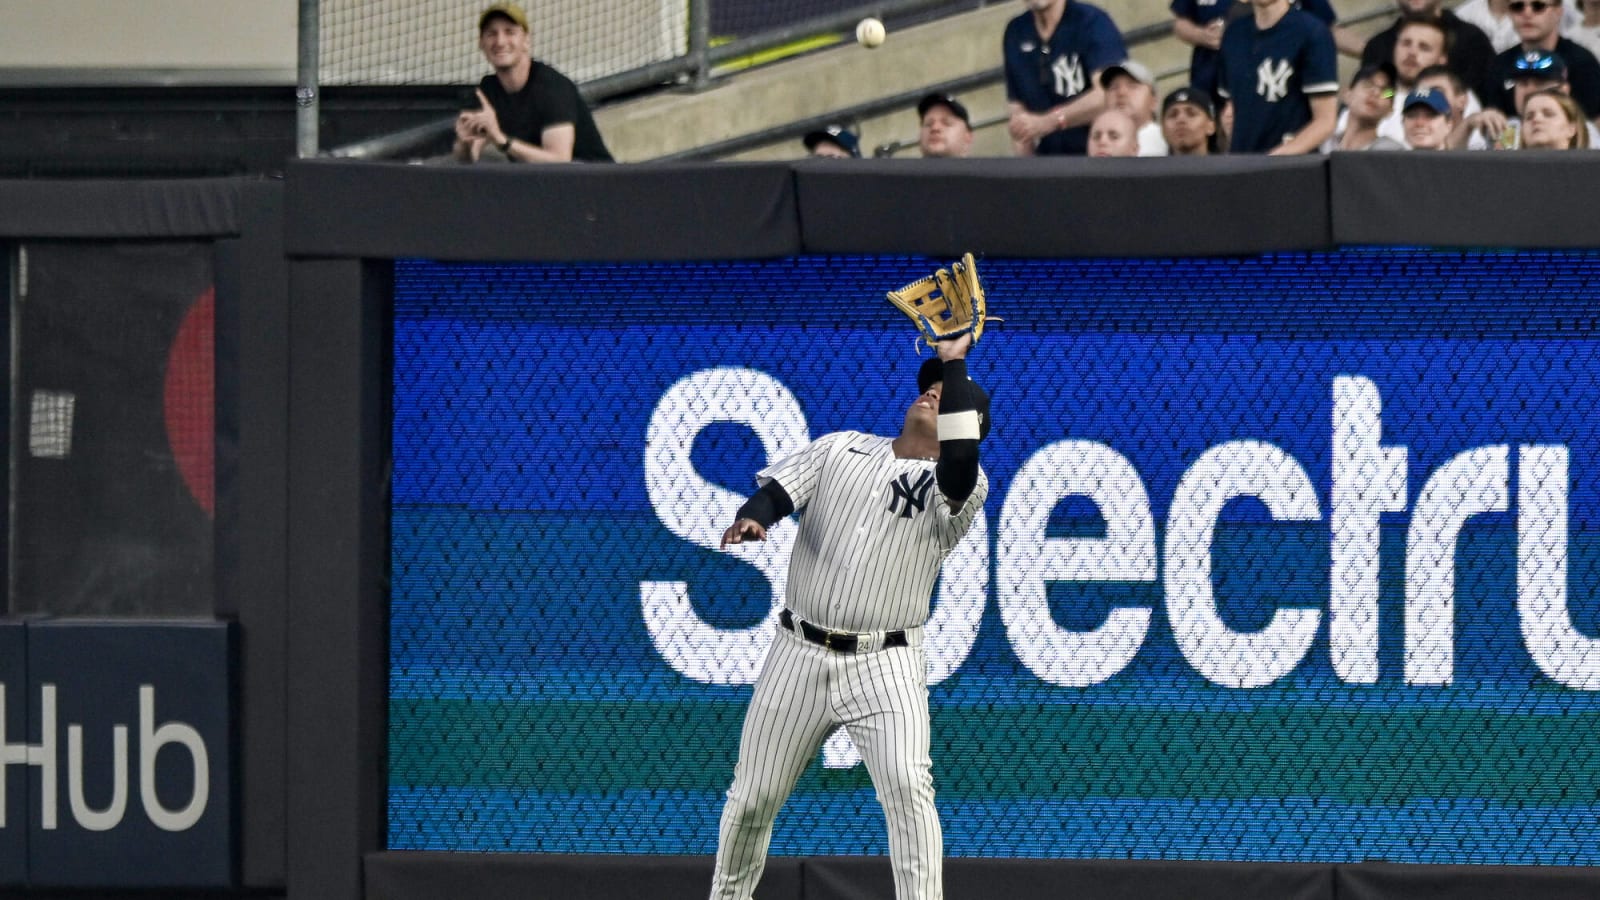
x: 954, y: 348
x: 744, y: 530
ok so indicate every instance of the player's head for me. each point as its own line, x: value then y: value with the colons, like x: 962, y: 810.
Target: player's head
x: 946, y: 129
x: 834, y: 141
x: 931, y: 378
x: 503, y: 35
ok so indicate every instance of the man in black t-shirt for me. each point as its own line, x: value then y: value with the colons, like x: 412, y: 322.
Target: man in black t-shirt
x: 1538, y: 24
x: 527, y: 111
x: 1471, y: 54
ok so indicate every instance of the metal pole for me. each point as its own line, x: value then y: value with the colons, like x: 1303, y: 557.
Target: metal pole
x: 700, y: 42
x: 305, y: 93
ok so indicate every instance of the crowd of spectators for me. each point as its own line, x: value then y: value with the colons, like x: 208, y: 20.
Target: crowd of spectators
x: 1263, y: 78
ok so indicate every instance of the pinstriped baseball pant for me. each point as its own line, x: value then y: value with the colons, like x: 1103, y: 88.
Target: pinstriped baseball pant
x: 804, y: 692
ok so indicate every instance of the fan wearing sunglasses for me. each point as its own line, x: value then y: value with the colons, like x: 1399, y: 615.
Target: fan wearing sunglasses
x: 1538, y: 24
x: 1494, y: 19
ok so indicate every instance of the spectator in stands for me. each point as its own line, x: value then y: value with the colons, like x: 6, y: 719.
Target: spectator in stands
x: 1538, y: 30
x: 1054, y: 54
x: 1130, y: 87
x: 527, y: 111
x: 1200, y: 23
x: 1532, y: 73
x: 1493, y: 18
x: 835, y: 141
x: 1189, y: 122
x: 1463, y: 104
x: 1278, y: 71
x: 1552, y: 120
x: 1585, y: 31
x: 1421, y: 43
x: 1113, y: 133
x: 1368, y: 102
x: 946, y: 130
x: 1471, y: 54
x: 1428, y: 120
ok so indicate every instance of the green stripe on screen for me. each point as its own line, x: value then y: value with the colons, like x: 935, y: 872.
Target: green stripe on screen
x: 1349, y: 756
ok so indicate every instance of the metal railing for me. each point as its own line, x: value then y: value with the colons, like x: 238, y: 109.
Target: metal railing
x: 389, y: 146
x: 695, y: 69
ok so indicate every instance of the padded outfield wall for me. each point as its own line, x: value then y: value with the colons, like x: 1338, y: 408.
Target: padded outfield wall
x: 1287, y: 558
x: 1285, y: 587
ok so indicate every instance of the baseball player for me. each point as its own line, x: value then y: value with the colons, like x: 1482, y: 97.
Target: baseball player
x: 880, y: 516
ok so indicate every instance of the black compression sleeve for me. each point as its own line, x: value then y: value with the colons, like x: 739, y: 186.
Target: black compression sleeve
x: 767, y: 506
x: 957, y: 471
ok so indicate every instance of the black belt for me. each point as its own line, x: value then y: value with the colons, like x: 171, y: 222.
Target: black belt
x: 837, y: 641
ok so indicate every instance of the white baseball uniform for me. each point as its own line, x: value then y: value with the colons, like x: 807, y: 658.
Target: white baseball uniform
x: 873, y: 531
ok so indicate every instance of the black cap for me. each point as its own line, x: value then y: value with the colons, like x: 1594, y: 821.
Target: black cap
x: 933, y: 371
x: 1200, y: 100
x: 1542, y: 65
x: 1370, y: 69
x: 936, y: 99
x: 838, y: 135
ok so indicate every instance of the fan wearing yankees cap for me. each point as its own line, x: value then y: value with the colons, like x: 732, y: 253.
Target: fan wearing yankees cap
x: 945, y: 130
x: 880, y: 515
x: 1189, y: 123
x: 1131, y: 88
x: 1428, y: 119
x: 835, y: 141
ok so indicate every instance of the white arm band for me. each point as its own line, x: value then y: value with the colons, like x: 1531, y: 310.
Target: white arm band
x: 960, y: 426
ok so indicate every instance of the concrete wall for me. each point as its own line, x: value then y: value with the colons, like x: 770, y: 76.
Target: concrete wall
x: 147, y: 41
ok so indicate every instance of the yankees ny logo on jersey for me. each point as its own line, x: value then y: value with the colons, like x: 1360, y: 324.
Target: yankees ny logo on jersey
x: 1272, y: 80
x: 912, y: 494
x: 1068, y: 71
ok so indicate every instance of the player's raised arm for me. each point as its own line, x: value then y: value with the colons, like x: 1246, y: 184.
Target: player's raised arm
x: 963, y: 409
x: 765, y: 508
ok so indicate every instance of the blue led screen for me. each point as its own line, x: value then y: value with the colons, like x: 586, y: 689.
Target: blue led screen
x: 1288, y: 557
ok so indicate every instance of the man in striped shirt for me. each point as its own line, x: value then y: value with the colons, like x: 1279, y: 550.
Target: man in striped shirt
x: 880, y: 516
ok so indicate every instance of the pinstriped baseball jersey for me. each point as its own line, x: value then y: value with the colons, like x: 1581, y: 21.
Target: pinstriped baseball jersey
x: 873, y: 530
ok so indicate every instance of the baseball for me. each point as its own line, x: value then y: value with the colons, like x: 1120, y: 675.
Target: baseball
x: 870, y: 33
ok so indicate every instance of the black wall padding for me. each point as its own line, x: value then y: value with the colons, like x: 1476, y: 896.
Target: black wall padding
x: 869, y: 878
x: 1537, y: 199
x: 555, y: 213
x: 526, y: 876
x: 1383, y: 881
x: 1064, y: 207
x: 199, y: 207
